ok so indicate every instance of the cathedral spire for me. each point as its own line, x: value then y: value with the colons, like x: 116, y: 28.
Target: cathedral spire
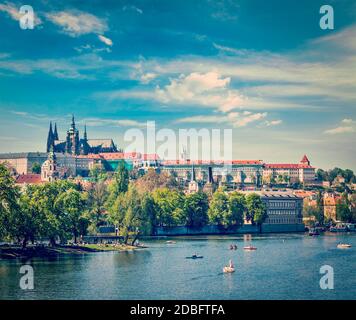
x: 73, y: 122
x: 85, y: 132
x: 50, y: 138
x: 193, y: 173
x: 55, y: 133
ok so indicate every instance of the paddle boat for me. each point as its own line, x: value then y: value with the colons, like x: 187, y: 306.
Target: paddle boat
x: 170, y: 242
x: 344, y: 245
x: 250, y: 248
x: 229, y: 268
x: 194, y: 256
x: 314, y: 232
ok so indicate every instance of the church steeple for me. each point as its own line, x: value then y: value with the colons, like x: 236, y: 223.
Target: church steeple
x: 85, y: 133
x: 50, y: 138
x: 192, y: 173
x: 55, y: 133
x: 73, y: 122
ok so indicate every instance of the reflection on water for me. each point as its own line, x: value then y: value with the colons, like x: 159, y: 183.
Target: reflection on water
x: 283, y: 267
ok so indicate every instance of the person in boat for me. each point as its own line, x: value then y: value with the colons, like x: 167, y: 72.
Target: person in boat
x: 231, y: 265
x: 235, y: 247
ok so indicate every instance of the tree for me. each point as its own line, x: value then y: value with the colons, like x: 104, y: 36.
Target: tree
x: 219, y: 208
x: 98, y: 173
x: 322, y: 175
x: 119, y: 185
x: 153, y: 180
x: 257, y: 212
x: 71, y: 205
x: 9, y: 194
x: 237, y: 208
x: 36, y: 168
x: 133, y: 213
x: 343, y: 212
x: 169, y: 206
x: 348, y: 175
x: 97, y: 196
x: 25, y: 222
x: 196, y: 209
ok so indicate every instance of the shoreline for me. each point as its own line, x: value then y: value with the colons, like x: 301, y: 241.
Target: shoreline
x: 13, y: 252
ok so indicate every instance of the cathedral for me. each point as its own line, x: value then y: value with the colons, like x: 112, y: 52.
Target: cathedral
x: 75, y: 145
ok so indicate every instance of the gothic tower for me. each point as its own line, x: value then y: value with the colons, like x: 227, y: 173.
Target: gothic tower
x: 55, y: 133
x: 72, y: 140
x: 50, y: 138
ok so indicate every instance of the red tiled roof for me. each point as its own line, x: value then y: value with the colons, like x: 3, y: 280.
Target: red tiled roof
x: 305, y: 159
x: 286, y: 166
x: 29, y: 179
x: 150, y: 156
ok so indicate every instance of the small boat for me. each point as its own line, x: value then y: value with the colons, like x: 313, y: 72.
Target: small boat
x: 344, y: 245
x: 314, y: 232
x: 233, y: 247
x: 250, y: 248
x: 194, y: 256
x: 230, y: 268
x: 170, y: 242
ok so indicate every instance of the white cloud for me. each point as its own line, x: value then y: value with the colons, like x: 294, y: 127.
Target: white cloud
x: 76, y: 23
x: 206, y: 89
x: 236, y: 119
x: 105, y: 40
x: 132, y: 8
x: 347, y: 126
x: 272, y: 123
x: 14, y: 12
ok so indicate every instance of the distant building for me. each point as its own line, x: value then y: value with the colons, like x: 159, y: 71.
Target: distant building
x: 49, y: 169
x: 289, y: 172
x: 330, y: 201
x: 193, y: 186
x: 22, y: 163
x: 73, y: 144
x: 239, y: 173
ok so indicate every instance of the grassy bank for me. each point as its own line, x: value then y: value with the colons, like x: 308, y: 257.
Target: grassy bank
x: 11, y: 252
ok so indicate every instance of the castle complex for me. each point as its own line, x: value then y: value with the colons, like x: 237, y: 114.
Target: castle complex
x: 75, y: 145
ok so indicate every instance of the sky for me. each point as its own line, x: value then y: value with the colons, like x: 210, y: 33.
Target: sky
x: 264, y: 69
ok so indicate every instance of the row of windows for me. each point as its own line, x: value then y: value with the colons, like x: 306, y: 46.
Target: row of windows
x: 289, y: 212
x: 284, y: 220
x: 281, y: 204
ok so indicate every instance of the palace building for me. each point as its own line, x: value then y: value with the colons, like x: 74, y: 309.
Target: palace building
x: 73, y: 144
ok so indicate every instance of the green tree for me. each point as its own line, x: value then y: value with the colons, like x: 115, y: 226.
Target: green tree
x: 71, y: 204
x: 169, y: 206
x: 98, y: 173
x: 195, y: 211
x: 322, y: 175
x: 97, y: 197
x: 237, y: 208
x: 219, y: 208
x: 9, y: 194
x: 256, y: 209
x: 36, y: 168
x: 343, y: 212
x: 119, y: 185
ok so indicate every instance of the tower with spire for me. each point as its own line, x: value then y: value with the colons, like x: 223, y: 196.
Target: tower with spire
x: 193, y: 186
x: 72, y: 139
x: 50, y: 138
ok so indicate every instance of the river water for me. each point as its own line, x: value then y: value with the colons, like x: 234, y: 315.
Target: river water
x: 284, y: 266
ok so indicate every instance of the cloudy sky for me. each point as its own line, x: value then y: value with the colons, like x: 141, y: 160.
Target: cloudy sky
x: 263, y: 68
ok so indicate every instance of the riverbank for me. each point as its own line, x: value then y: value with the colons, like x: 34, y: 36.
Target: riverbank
x: 11, y: 252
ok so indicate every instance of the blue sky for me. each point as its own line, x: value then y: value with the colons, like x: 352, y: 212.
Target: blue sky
x: 263, y: 68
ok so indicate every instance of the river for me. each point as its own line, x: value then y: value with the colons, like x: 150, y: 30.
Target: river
x: 284, y: 266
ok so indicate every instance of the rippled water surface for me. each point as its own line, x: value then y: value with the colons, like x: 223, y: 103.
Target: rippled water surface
x: 283, y: 267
